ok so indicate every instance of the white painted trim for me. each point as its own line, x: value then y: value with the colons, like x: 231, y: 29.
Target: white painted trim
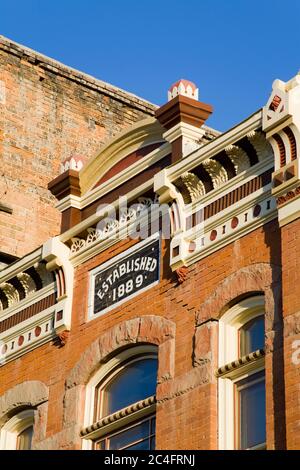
x: 232, y: 184
x: 24, y: 329
x: 12, y: 428
x: 126, y: 174
x: 229, y: 324
x: 21, y: 265
x: 203, y: 230
x: 213, y: 147
x: 289, y: 211
x: 57, y: 254
x: 136, y: 351
x: 98, y: 246
x: 183, y: 129
x: 30, y: 300
x: 69, y: 201
x: 115, y: 259
x: 93, y: 219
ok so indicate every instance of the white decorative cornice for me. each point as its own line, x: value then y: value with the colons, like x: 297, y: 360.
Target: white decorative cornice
x: 10, y: 292
x: 281, y: 122
x: 214, y: 147
x: 27, y: 283
x: 223, y: 228
x: 21, y: 265
x: 123, y: 176
x: 238, y: 157
x: 216, y: 171
x: 112, y: 226
x: 193, y: 185
x: 261, y: 145
x: 69, y: 201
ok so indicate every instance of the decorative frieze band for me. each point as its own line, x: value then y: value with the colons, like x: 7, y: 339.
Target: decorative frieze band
x: 112, y: 225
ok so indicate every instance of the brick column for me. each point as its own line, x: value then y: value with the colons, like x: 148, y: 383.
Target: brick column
x: 291, y: 318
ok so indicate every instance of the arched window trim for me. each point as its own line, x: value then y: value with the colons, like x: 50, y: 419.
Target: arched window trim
x: 15, y: 426
x: 229, y: 324
x: 103, y: 376
x: 232, y: 321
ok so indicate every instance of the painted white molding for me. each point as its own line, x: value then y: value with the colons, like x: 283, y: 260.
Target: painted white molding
x: 229, y: 325
x: 104, y: 372
x: 69, y: 201
x: 117, y: 180
x: 128, y: 173
x: 93, y: 219
x: 289, y: 212
x: 21, y: 265
x: 28, y: 335
x: 215, y: 146
x: 57, y: 255
x: 30, y: 300
x: 221, y: 223
x: 12, y: 428
x: 112, y: 227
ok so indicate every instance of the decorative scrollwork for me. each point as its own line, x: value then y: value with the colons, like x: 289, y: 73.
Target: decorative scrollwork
x: 216, y: 171
x: 10, y: 292
x: 261, y: 145
x: 110, y: 226
x: 238, y: 157
x: 193, y: 185
x: 27, y: 283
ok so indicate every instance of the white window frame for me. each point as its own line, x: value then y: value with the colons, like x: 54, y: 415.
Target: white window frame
x: 104, y: 375
x: 14, y: 427
x: 229, y: 326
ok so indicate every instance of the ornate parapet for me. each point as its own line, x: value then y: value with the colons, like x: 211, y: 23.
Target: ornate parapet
x: 35, y: 300
x: 281, y: 122
x: 219, y: 193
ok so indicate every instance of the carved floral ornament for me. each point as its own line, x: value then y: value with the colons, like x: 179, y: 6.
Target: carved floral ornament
x: 23, y: 285
x: 112, y: 225
x: 193, y: 188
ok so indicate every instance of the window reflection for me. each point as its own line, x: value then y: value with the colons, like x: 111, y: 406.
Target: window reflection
x: 140, y: 436
x: 24, y: 439
x: 135, y: 382
x: 252, y: 336
x: 251, y: 411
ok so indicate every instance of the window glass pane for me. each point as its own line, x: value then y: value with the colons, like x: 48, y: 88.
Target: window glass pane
x: 252, y: 336
x: 143, y: 445
x: 24, y: 439
x: 133, y: 383
x: 140, y: 436
x: 252, y: 411
x: 133, y: 434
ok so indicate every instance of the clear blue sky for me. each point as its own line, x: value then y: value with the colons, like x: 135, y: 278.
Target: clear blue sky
x: 232, y: 49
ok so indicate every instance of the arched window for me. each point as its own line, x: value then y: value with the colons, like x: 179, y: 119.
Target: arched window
x: 241, y: 373
x: 17, y: 433
x: 120, y: 403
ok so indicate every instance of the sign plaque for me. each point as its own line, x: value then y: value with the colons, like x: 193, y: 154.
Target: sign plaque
x: 124, y: 276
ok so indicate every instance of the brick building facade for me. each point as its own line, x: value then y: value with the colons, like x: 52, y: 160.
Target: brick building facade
x: 167, y: 318
x: 48, y: 112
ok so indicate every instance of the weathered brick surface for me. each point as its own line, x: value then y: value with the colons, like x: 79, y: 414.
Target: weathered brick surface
x: 291, y: 313
x: 187, y: 395
x: 47, y: 112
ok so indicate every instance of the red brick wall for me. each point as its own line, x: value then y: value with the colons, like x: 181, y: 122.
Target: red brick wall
x: 187, y: 403
x: 48, y: 112
x: 291, y: 315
